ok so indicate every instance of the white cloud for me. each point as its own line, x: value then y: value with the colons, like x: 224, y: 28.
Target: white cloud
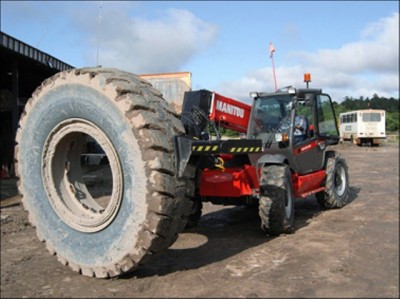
x: 259, y: 80
x: 376, y: 51
x: 362, y: 68
x: 146, y: 45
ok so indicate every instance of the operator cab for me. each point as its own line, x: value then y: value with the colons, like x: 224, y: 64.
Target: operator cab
x: 299, y: 121
x: 290, y: 115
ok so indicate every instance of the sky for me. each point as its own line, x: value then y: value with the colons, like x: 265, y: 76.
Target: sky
x: 351, y: 48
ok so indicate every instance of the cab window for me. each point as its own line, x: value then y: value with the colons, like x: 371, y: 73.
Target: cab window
x: 326, y: 117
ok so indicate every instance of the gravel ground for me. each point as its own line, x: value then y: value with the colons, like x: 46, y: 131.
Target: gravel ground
x: 348, y: 252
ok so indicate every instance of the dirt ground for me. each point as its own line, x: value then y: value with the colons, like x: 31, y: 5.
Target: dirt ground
x: 349, y: 252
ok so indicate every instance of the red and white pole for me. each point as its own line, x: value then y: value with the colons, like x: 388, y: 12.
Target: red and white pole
x: 271, y: 55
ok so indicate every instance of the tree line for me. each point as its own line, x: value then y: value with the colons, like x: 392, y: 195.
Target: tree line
x: 390, y: 105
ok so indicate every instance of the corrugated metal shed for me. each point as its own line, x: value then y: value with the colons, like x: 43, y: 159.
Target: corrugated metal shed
x: 23, y: 69
x: 10, y: 43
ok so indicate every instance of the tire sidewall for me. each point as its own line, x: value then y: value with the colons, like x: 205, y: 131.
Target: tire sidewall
x: 289, y: 221
x: 340, y: 199
x: 79, y: 101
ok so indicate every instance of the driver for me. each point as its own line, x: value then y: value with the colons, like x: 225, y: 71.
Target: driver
x: 300, y: 128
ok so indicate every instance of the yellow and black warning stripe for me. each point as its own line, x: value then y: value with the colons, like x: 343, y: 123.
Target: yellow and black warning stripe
x: 242, y: 146
x: 247, y: 149
x: 234, y: 147
x: 205, y: 148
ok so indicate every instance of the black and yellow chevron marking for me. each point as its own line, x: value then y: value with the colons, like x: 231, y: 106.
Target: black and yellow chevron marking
x: 248, y: 149
x: 205, y: 148
x: 232, y: 150
x: 234, y: 147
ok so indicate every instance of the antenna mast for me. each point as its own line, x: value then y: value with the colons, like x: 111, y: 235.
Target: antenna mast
x: 98, y: 31
x: 40, y: 40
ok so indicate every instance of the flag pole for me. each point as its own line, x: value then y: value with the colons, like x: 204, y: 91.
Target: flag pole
x: 271, y: 55
x: 273, y: 70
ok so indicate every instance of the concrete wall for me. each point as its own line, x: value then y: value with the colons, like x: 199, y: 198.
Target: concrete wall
x: 172, y: 86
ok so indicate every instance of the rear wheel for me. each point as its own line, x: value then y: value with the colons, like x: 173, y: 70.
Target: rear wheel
x: 276, y: 208
x: 140, y: 207
x: 336, y: 193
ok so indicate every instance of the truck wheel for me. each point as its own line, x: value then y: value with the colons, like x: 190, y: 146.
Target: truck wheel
x: 276, y: 207
x: 336, y: 193
x: 146, y: 206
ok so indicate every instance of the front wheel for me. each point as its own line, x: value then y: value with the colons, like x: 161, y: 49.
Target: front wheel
x: 336, y: 193
x: 276, y: 207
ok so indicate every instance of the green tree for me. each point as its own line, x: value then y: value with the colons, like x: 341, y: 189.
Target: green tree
x: 392, y: 122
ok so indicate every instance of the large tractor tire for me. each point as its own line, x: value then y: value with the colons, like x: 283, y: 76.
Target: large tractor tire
x: 276, y: 207
x: 147, y: 205
x: 336, y: 193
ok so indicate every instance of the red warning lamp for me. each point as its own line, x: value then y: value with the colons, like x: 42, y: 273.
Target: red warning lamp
x: 307, y: 78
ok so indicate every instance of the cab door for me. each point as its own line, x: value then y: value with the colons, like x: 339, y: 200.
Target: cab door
x: 308, y: 155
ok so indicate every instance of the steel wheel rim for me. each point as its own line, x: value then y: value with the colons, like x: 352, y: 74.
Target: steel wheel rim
x: 340, y: 180
x: 63, y: 181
